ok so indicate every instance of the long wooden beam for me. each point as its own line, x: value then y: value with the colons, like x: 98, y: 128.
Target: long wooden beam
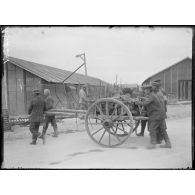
x: 66, y: 111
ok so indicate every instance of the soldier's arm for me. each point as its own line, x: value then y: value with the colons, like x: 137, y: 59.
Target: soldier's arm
x: 147, y: 101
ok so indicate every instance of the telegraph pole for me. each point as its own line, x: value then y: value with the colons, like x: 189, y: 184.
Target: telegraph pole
x: 82, y: 56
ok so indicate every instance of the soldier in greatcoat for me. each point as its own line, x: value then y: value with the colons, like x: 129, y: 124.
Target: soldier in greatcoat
x: 156, y: 116
x: 36, y: 110
x: 156, y: 88
x: 49, y: 118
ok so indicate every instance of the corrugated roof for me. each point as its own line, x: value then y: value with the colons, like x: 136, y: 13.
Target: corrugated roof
x: 54, y: 75
x: 167, y: 68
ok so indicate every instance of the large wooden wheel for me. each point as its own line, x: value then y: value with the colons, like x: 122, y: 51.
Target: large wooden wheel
x: 109, y: 122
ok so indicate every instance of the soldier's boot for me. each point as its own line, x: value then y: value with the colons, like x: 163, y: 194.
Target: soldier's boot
x: 55, y: 132
x: 159, y: 139
x: 167, y: 141
x: 142, y: 131
x: 44, y: 139
x: 143, y: 125
x: 43, y: 136
x: 140, y: 134
x: 33, y: 141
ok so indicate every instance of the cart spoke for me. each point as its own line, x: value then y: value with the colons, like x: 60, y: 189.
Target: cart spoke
x: 114, y: 110
x: 121, y: 129
x: 97, y: 118
x: 107, y: 112
x: 97, y: 131
x: 126, y: 123
x: 102, y: 136
x: 118, y: 116
x: 116, y: 134
x: 122, y: 126
x: 116, y: 127
x: 122, y: 111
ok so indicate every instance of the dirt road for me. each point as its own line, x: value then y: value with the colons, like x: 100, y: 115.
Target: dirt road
x: 74, y: 149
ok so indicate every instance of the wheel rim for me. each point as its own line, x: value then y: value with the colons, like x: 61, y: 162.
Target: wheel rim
x: 109, y: 122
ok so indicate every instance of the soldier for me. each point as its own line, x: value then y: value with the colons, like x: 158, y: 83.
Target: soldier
x: 36, y: 109
x: 156, y: 116
x: 161, y: 94
x: 49, y: 118
x: 156, y: 87
x: 83, y: 105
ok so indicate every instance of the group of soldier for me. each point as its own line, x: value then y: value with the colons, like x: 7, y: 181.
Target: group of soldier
x: 153, y: 104
x: 38, y: 106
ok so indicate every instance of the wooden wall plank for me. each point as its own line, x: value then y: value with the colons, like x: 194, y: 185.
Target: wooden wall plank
x: 11, y: 80
x: 12, y: 103
x: 168, y: 81
x: 174, y: 81
x: 20, y: 103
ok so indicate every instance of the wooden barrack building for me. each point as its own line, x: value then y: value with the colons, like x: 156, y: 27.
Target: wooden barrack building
x: 176, y: 80
x: 21, y: 77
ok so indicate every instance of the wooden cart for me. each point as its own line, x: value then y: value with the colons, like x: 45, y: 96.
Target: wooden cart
x: 108, y: 121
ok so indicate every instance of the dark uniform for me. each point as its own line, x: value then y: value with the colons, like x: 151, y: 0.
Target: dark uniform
x: 156, y: 120
x: 156, y: 89
x: 36, y: 109
x: 143, y: 122
x: 49, y: 101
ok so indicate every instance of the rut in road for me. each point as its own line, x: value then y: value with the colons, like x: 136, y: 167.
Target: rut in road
x: 75, y: 154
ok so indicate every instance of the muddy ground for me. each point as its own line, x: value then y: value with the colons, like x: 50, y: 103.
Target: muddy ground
x: 74, y: 149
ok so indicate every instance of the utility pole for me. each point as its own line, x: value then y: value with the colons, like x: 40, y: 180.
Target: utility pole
x: 82, y: 56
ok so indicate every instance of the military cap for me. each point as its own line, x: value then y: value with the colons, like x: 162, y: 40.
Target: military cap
x: 36, y: 91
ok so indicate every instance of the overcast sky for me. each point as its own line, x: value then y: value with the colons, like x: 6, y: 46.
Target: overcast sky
x: 132, y: 53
